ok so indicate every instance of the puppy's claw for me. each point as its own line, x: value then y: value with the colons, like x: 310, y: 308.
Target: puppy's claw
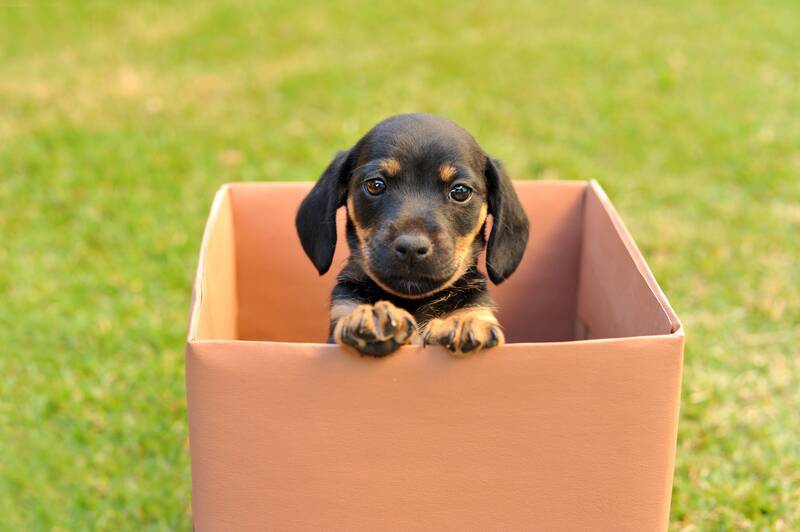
x: 470, y: 343
x: 426, y: 339
x: 389, y: 326
x: 450, y: 337
x: 493, y: 338
x: 366, y: 334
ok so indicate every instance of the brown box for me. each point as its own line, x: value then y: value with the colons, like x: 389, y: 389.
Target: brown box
x: 569, y: 426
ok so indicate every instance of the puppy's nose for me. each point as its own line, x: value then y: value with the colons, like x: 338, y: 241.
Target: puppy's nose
x: 412, y: 247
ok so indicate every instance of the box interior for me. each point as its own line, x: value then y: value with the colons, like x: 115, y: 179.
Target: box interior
x: 582, y: 277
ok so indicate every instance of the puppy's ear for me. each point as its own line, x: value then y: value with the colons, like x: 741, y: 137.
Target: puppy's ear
x: 510, y: 227
x: 316, y: 217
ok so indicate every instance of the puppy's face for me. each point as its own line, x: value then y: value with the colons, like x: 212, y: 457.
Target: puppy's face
x: 418, y: 189
x: 417, y: 203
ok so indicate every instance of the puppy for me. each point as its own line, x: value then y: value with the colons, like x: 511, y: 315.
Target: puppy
x: 418, y: 189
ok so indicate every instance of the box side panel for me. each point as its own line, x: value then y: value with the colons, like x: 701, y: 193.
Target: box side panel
x: 641, y: 264
x: 538, y: 303
x: 214, y: 294
x: 281, y: 295
x: 548, y: 436
x: 614, y: 296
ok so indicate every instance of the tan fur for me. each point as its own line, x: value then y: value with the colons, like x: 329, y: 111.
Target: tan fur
x: 464, y: 243
x: 363, y: 233
x: 390, y: 166
x: 446, y: 172
x: 390, y: 317
x: 463, y: 246
x: 465, y: 331
x: 372, y: 323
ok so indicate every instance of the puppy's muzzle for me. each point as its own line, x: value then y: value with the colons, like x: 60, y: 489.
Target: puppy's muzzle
x: 412, y: 248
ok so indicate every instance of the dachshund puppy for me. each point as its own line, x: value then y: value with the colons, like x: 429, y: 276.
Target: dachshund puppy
x: 418, y: 189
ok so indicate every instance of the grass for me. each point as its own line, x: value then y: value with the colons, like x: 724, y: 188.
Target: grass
x: 118, y: 121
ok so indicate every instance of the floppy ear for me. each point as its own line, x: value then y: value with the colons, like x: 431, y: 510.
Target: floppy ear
x: 510, y: 227
x: 316, y: 217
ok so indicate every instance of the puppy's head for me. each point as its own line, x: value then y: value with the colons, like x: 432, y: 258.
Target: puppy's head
x: 418, y: 189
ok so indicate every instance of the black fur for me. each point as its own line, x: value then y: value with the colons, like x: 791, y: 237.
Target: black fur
x: 316, y: 217
x: 510, y: 228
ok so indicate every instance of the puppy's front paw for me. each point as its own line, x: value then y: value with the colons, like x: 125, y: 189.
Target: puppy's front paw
x: 375, y: 330
x: 464, y: 332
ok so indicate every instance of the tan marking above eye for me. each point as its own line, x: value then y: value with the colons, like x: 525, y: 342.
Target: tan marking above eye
x: 390, y: 166
x: 446, y: 172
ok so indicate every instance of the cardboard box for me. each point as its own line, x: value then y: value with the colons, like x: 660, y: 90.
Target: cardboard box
x: 569, y: 426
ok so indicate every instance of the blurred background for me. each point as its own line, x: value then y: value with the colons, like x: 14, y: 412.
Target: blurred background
x: 118, y: 122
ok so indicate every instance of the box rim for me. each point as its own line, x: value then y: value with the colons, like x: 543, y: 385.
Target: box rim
x: 562, y: 343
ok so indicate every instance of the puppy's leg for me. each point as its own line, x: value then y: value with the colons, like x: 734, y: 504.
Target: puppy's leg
x: 464, y: 331
x: 375, y: 330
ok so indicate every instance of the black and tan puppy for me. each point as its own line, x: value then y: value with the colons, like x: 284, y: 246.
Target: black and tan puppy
x: 418, y: 189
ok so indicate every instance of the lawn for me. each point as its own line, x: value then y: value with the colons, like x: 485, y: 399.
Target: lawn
x: 118, y: 121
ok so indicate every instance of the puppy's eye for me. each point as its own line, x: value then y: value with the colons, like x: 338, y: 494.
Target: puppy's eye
x: 460, y: 193
x: 375, y: 186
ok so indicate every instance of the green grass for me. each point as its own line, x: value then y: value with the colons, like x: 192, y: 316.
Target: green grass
x: 118, y: 121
